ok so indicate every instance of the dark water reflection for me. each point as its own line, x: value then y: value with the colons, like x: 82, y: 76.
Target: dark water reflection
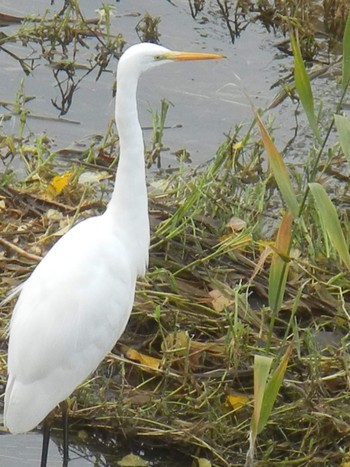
x: 25, y: 451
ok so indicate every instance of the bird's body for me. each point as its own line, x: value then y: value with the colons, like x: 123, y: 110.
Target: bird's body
x: 75, y: 305
x: 77, y: 302
x: 58, y: 339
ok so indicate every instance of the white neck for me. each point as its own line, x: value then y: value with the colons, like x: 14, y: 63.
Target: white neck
x: 128, y: 207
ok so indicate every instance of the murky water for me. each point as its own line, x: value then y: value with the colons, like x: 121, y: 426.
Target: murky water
x: 25, y: 451
x: 207, y: 102
x: 207, y: 97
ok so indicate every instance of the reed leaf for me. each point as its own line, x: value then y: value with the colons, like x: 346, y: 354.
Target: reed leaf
x: 303, y: 86
x: 272, y: 389
x: 280, y: 264
x: 346, y: 55
x: 279, y: 169
x: 262, y: 365
x: 329, y: 218
x: 343, y: 128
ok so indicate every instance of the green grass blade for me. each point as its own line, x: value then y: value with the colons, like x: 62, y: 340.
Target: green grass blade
x: 343, y: 128
x: 303, y: 86
x: 262, y: 367
x: 279, y: 170
x: 280, y: 264
x: 346, y: 55
x: 272, y: 389
x: 330, y: 220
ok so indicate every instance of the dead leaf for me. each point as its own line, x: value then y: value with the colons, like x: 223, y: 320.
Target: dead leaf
x: 236, y: 224
x: 260, y: 264
x: 93, y: 177
x: 57, y: 184
x: 237, y: 400
x: 180, y: 349
x: 219, y: 301
x: 147, y: 360
x: 177, y: 342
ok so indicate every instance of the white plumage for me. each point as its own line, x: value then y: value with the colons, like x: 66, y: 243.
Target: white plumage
x: 77, y: 302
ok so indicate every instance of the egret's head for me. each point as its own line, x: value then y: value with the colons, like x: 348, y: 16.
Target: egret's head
x: 144, y: 56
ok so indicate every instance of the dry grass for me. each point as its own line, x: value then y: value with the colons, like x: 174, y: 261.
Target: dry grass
x: 201, y: 314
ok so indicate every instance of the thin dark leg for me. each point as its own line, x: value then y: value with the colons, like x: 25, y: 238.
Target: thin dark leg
x: 64, y: 408
x: 46, y: 439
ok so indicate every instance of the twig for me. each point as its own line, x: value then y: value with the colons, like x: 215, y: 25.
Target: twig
x: 20, y: 250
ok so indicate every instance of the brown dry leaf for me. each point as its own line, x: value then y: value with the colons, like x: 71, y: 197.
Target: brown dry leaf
x: 237, y: 401
x: 139, y: 398
x: 260, y: 264
x: 147, y: 360
x: 57, y: 184
x: 236, y: 224
x: 180, y: 348
x: 216, y: 348
x: 178, y: 343
x: 188, y: 289
x: 219, y: 301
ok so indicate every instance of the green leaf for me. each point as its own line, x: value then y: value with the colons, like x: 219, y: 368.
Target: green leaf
x: 272, y: 389
x: 262, y: 367
x: 279, y: 169
x: 343, y: 127
x: 346, y: 55
x: 329, y: 218
x: 303, y: 87
x: 280, y: 264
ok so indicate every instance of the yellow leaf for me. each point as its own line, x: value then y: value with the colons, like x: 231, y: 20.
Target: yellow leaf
x: 147, y: 360
x: 10, y: 144
x: 132, y: 460
x: 203, y: 462
x: 237, y: 401
x: 29, y: 150
x: 237, y: 146
x: 58, y: 183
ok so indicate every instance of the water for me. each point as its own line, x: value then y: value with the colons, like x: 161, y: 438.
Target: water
x: 84, y: 450
x: 207, y: 97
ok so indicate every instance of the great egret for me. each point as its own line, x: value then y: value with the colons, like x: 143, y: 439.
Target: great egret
x: 77, y: 302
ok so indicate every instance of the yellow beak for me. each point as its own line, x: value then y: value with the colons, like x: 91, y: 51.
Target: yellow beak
x: 185, y: 56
